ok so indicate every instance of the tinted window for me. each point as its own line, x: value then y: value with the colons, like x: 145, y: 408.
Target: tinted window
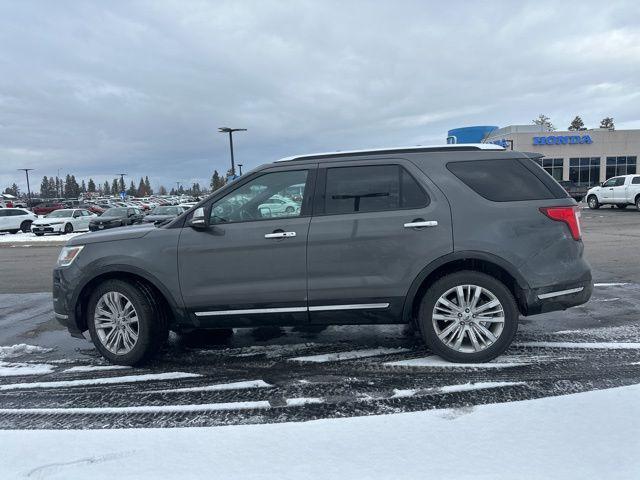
x: 635, y: 181
x: 4, y: 213
x: 501, y: 180
x: 371, y: 189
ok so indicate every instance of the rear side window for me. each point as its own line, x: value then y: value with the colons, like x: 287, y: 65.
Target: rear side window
x: 636, y: 181
x: 501, y: 180
x: 371, y: 188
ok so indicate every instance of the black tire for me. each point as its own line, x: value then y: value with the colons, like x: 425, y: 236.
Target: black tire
x: 39, y: 234
x: 289, y: 210
x: 68, y: 228
x: 152, y: 321
x: 621, y: 206
x: 26, y: 226
x: 468, y: 277
x: 638, y: 202
x: 13, y: 231
x: 592, y: 202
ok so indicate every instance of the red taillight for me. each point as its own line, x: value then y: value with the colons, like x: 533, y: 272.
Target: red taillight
x: 568, y: 215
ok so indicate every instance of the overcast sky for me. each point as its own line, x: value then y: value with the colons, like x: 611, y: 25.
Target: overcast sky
x: 98, y: 88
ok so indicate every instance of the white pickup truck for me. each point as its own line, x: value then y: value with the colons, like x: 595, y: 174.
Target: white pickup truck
x: 619, y: 191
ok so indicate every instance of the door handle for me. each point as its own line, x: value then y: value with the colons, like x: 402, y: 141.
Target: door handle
x: 419, y: 223
x: 280, y: 235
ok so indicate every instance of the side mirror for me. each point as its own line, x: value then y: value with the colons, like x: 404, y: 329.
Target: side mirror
x: 199, y: 220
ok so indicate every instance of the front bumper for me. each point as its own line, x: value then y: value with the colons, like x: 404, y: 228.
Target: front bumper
x: 65, y: 314
x: 47, y: 228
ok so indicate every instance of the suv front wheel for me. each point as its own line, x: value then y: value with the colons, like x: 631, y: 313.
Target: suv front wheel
x: 468, y: 317
x: 124, y: 322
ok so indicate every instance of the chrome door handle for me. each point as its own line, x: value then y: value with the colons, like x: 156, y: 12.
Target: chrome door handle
x: 280, y: 235
x: 430, y: 223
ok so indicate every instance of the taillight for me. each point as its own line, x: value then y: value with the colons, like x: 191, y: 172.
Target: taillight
x: 568, y: 215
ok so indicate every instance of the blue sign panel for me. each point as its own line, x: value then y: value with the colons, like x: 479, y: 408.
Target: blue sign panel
x: 562, y: 140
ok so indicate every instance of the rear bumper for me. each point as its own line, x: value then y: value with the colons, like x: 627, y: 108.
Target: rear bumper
x: 557, y: 297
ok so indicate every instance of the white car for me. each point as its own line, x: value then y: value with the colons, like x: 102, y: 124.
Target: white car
x: 278, y: 206
x: 65, y: 220
x: 15, y: 219
x: 619, y: 191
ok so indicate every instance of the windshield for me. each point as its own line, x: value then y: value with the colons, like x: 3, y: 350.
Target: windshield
x: 60, y: 214
x: 167, y: 211
x: 115, y: 212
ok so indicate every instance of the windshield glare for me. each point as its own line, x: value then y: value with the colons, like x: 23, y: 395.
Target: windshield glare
x: 60, y: 214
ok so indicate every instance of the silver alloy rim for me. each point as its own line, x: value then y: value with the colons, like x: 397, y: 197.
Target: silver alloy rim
x: 468, y: 318
x: 116, y: 322
x: 592, y: 202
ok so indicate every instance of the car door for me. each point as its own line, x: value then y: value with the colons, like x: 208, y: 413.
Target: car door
x: 606, y: 192
x: 620, y: 189
x: 250, y: 260
x: 5, y: 219
x: 376, y: 225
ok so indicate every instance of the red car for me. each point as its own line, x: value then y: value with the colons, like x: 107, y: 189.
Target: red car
x: 45, y: 208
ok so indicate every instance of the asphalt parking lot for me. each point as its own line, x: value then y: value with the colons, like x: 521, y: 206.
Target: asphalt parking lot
x: 278, y: 375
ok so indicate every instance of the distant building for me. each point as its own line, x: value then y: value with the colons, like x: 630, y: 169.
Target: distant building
x: 585, y: 157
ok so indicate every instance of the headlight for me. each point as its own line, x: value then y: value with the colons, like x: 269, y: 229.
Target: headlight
x: 68, y: 255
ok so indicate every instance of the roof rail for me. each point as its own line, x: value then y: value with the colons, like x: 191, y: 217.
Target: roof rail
x: 419, y: 148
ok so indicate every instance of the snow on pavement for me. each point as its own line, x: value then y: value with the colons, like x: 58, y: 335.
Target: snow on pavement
x: 585, y: 345
x: 8, y: 369
x: 28, y: 238
x: 219, y: 387
x: 435, y: 361
x: 21, y: 349
x: 338, y: 356
x: 547, y: 438
x: 95, y: 368
x: 100, y: 381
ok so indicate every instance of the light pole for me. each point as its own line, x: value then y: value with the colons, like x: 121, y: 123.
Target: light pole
x: 26, y: 171
x: 122, y: 175
x: 240, y: 168
x: 230, y: 132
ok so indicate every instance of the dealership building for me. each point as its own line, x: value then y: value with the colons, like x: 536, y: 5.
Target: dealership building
x: 585, y: 157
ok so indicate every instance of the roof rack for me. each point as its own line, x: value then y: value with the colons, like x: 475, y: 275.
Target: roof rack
x: 419, y: 148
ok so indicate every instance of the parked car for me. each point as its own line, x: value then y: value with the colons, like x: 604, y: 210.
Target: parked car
x: 65, y: 220
x: 575, y: 191
x: 619, y: 191
x: 93, y: 208
x: 278, y: 205
x: 457, y: 240
x: 46, y: 208
x: 162, y: 214
x: 14, y: 220
x: 116, y: 217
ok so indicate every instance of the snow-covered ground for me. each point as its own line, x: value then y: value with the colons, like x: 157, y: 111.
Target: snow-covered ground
x: 568, y: 437
x: 30, y: 238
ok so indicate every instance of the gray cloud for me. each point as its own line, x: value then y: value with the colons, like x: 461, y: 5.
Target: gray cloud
x: 95, y: 88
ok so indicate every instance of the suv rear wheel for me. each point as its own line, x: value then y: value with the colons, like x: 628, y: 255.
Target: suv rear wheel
x: 125, y: 323
x: 468, y: 317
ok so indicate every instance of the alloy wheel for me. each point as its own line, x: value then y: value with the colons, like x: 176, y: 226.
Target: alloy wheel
x: 468, y: 318
x: 116, y: 322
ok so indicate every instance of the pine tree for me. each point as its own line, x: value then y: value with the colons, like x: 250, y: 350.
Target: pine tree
x: 51, y: 191
x: 132, y: 190
x: 83, y: 187
x: 59, y: 189
x: 106, y: 189
x: 147, y: 186
x: 141, y: 188
x: 577, y: 124
x: 114, y: 187
x: 91, y: 186
x: 44, y: 187
x: 121, y: 187
x: 607, y: 122
x: 12, y: 190
x: 195, y: 190
x: 162, y: 190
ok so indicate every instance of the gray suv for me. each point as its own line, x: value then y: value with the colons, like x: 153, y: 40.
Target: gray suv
x: 458, y: 240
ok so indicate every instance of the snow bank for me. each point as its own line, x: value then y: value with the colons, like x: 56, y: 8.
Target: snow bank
x: 16, y: 369
x: 21, y: 349
x: 29, y: 238
x: 571, y: 437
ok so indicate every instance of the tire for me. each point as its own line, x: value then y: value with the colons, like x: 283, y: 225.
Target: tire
x: 622, y: 206
x: 39, y: 234
x: 68, y: 228
x: 592, y: 202
x: 289, y: 210
x: 152, y: 322
x: 25, y: 226
x: 13, y: 232
x: 468, y: 327
x: 638, y: 203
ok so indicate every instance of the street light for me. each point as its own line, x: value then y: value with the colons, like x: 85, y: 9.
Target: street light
x: 230, y: 132
x: 26, y: 171
x: 240, y: 167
